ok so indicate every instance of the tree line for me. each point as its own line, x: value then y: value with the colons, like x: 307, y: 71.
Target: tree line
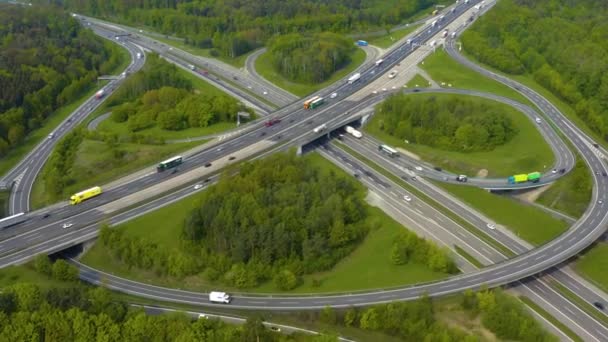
x: 448, y: 122
x: 309, y: 58
x: 232, y: 28
x: 562, y: 44
x: 47, y: 60
x: 29, y: 312
x: 160, y: 95
x: 420, y: 320
x: 408, y: 247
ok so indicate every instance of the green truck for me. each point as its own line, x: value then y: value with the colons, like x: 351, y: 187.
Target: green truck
x: 533, y: 177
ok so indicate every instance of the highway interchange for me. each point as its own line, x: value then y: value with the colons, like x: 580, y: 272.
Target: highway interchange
x: 51, y: 237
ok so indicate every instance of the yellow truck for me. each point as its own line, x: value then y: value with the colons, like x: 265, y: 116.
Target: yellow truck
x: 85, y: 195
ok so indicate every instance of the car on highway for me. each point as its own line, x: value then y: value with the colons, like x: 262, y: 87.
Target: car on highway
x: 231, y: 158
x: 46, y: 215
x: 437, y: 168
x: 277, y: 329
x: 491, y: 226
x: 598, y: 305
x: 392, y: 74
x: 265, y: 92
x: 418, y: 168
x: 198, y: 186
x: 203, y: 316
x: 207, y: 164
x: 604, y: 174
x: 51, y: 135
x: 600, y: 201
x: 66, y: 225
x: 554, y: 171
x: 407, y: 198
x: 333, y: 95
x: 271, y: 122
x: 537, y: 120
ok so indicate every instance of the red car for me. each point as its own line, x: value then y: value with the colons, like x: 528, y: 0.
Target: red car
x: 272, y: 122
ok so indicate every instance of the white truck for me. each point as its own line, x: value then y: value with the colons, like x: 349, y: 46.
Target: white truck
x: 434, y: 23
x: 100, y: 94
x: 380, y: 61
x: 320, y: 128
x: 219, y: 297
x: 353, y: 132
x: 354, y: 78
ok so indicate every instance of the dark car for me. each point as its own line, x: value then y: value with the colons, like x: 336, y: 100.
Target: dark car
x: 437, y: 168
x: 562, y: 170
x: 46, y: 215
x: 207, y: 180
x: 416, y: 90
x: 598, y: 305
x: 604, y: 174
x: 174, y: 171
x: 596, y: 145
x: 231, y: 158
x: 272, y: 122
x: 356, y: 175
x: 207, y: 164
x: 263, y: 134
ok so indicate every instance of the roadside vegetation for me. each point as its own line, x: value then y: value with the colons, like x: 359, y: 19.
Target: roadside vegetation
x: 462, y: 134
x: 529, y: 223
x: 4, y: 196
x: 60, y: 62
x: 314, y: 245
x: 570, y: 194
x: 391, y: 37
x: 571, y: 63
x: 593, y: 263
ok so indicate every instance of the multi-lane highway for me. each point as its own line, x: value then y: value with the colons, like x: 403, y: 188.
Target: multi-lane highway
x: 27, y: 170
x: 296, y: 125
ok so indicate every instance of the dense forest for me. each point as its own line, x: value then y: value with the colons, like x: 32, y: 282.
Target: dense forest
x: 449, y: 123
x: 309, y: 59
x: 234, y: 27
x: 562, y: 44
x: 159, y: 95
x: 46, y: 61
x: 31, y: 313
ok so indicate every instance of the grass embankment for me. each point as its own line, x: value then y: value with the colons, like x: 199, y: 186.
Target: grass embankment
x: 515, y: 156
x: 442, y: 68
x: 27, y: 274
x: 430, y: 201
x: 368, y: 267
x: 35, y: 137
x: 237, y: 62
x: 418, y: 82
x: 530, y: 223
x: 593, y: 265
x: 387, y: 40
x: 95, y: 165
x: 4, y: 195
x: 570, y: 194
x: 263, y: 66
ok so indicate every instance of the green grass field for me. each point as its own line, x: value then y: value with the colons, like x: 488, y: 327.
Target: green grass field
x: 26, y: 274
x: 593, y: 265
x: 94, y: 165
x: 418, y: 82
x: 442, y: 68
x: 391, y: 38
x: 516, y: 156
x: 566, y: 194
x: 15, y: 155
x: 367, y: 267
x: 264, y: 67
x: 529, y: 223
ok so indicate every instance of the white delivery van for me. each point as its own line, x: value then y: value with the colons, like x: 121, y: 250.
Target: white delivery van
x: 219, y: 297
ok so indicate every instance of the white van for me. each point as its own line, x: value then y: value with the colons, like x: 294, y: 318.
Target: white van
x: 219, y: 297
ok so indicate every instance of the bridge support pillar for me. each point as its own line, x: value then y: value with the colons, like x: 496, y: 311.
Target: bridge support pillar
x: 299, y: 151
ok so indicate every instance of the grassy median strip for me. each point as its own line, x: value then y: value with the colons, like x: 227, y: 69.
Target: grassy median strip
x: 581, y: 303
x: 468, y: 226
x: 468, y: 256
x: 550, y: 318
